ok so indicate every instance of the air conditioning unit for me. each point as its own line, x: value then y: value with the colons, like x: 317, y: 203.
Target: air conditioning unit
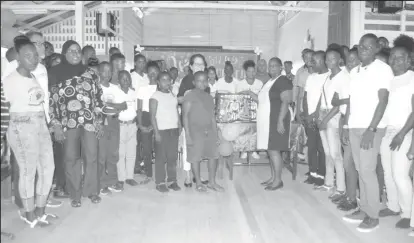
x: 390, y: 6
x: 105, y: 22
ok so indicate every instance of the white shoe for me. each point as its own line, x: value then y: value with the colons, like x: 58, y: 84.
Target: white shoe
x: 255, y: 155
x: 243, y: 155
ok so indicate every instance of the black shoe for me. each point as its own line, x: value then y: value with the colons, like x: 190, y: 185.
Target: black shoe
x: 403, y: 223
x: 310, y: 180
x: 188, y: 185
x: 60, y: 194
x: 307, y: 174
x: 131, y: 182
x: 162, y: 188
x: 139, y: 171
x: 203, y: 182
x: 347, y: 205
x: 319, y: 181
x: 174, y: 186
x: 386, y: 212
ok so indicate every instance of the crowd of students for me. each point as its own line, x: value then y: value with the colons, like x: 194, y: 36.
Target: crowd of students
x: 87, y: 126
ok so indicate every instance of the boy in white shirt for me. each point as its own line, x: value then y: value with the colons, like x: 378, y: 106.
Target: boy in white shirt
x: 228, y: 83
x: 250, y: 84
x: 128, y: 131
x: 144, y: 118
x: 167, y: 125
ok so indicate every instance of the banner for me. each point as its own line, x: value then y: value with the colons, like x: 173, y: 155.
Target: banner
x: 180, y: 58
x: 238, y: 108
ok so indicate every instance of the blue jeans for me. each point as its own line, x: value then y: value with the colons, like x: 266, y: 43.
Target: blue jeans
x: 30, y: 141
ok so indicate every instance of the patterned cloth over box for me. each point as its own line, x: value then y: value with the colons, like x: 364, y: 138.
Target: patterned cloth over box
x: 247, y: 139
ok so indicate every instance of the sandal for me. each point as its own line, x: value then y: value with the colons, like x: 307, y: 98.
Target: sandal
x: 215, y: 187
x: 95, y: 199
x: 201, y: 188
x: 76, y: 203
x: 6, y: 236
x: 45, y: 216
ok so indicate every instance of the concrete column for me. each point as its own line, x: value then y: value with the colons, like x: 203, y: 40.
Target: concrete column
x: 80, y: 22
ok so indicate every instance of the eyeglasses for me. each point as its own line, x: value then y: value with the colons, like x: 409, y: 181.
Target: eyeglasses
x: 74, y: 52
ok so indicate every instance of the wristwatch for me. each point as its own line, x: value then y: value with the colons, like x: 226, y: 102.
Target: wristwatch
x: 372, y: 129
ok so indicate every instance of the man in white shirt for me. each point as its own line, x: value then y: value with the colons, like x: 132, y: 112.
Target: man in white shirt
x: 311, y: 106
x: 228, y: 83
x: 396, y: 142
x: 369, y: 89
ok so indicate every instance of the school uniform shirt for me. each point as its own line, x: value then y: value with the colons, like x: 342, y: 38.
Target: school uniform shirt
x: 138, y: 80
x: 222, y: 86
x: 334, y: 85
x: 399, y: 101
x: 342, y: 87
x: 313, y: 89
x: 130, y: 98
x: 40, y: 73
x: 245, y: 86
x: 144, y: 94
x: 365, y: 84
x: 5, y: 116
x: 167, y: 115
x: 301, y: 77
x: 24, y: 94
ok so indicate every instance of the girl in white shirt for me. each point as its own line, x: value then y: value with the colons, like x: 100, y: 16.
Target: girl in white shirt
x: 212, y: 79
x: 228, y: 83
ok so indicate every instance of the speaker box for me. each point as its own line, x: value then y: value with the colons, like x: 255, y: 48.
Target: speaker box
x: 103, y: 23
x: 390, y: 6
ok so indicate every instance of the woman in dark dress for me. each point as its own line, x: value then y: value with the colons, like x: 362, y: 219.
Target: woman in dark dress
x: 273, y: 120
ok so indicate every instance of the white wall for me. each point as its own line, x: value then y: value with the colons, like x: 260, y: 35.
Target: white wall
x: 237, y: 29
x: 291, y: 36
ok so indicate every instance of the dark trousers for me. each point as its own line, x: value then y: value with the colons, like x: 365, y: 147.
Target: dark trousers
x: 138, y: 158
x: 147, y: 140
x: 60, y: 175
x: 109, y: 153
x: 316, y: 154
x: 73, y: 165
x: 166, y: 153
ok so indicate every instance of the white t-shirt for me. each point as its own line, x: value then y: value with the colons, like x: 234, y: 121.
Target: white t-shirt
x: 40, y: 73
x: 221, y: 86
x: 145, y: 93
x: 365, y: 84
x: 24, y: 94
x: 313, y: 89
x: 138, y: 80
x: 131, y: 112
x: 335, y: 85
x: 244, y: 86
x: 167, y: 115
x: 399, y: 101
x: 213, y: 89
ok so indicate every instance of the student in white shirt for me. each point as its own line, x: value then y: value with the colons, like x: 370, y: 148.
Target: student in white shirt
x: 396, y: 142
x: 328, y: 122
x: 144, y: 118
x: 167, y: 125
x: 109, y: 143
x: 117, y: 61
x: 212, y: 80
x: 128, y: 131
x: 249, y: 84
x: 369, y: 89
x: 138, y: 76
x: 228, y: 83
x: 311, y: 104
x: 175, y: 86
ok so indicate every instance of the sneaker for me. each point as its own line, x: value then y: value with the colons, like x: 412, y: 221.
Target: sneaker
x: 118, y: 187
x: 368, y: 225
x: 347, y: 205
x: 318, y: 182
x: 105, y: 191
x: 310, y: 180
x: 243, y: 155
x: 386, y: 212
x: 174, y: 186
x: 131, y: 182
x: 356, y: 217
x: 411, y: 233
x: 337, y: 195
x: 403, y: 223
x: 162, y: 188
x: 255, y: 155
x: 52, y: 203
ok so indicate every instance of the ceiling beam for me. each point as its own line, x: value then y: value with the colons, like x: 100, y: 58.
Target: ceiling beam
x: 47, y: 17
x: 191, y: 5
x: 38, y: 6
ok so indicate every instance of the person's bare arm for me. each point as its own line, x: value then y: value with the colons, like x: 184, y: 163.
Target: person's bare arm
x: 153, y: 106
x: 119, y: 106
x: 409, y: 124
x: 331, y: 114
x: 185, y: 110
x: 338, y: 102
x: 286, y: 98
x: 380, y: 109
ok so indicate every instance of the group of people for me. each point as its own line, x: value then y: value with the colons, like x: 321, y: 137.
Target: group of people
x: 87, y: 126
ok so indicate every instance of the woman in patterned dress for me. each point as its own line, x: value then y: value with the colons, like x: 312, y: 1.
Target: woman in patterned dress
x: 273, y: 120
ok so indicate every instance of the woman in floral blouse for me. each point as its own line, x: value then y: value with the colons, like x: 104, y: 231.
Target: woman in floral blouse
x: 75, y: 111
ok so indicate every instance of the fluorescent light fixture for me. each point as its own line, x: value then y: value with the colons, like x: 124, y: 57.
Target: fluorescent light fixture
x: 30, y: 11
